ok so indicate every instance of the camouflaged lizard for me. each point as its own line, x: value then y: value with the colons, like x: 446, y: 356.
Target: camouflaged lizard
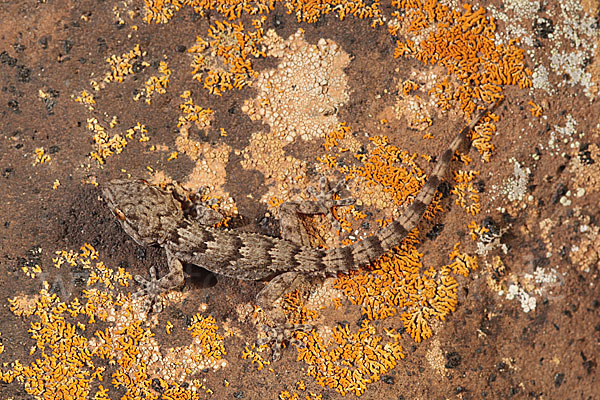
x: 177, y: 221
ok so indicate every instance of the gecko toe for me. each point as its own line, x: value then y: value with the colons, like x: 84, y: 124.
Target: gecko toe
x: 151, y: 290
x: 280, y: 335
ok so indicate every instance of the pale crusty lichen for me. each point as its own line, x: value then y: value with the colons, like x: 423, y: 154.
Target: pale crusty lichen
x: 301, y: 97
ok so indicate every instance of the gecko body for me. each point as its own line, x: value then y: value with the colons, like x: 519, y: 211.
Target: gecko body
x: 182, y: 225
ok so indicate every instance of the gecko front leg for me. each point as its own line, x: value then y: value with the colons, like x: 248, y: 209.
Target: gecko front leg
x: 195, y: 210
x: 292, y: 229
x: 152, y: 288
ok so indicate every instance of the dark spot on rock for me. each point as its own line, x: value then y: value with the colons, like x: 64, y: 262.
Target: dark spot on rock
x: 561, y: 190
x: 388, y: 379
x: 180, y: 48
x: 14, y: 105
x: 435, y: 231
x: 102, y: 46
x: 68, y: 45
x: 278, y: 20
x: 238, y: 395
x: 24, y: 74
x: 7, y: 172
x: 19, y: 48
x: 140, y: 253
x: 444, y: 189
x: 138, y: 66
x: 542, y: 27
x: 156, y: 385
x: 53, y: 149
x: 585, y: 156
x: 453, y: 360
x: 559, y: 379
x: 7, y: 59
x: 480, y: 185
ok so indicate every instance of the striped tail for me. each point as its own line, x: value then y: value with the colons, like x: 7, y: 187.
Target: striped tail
x: 370, y: 249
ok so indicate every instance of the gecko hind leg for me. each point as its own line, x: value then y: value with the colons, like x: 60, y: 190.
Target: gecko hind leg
x: 278, y: 335
x: 152, y: 288
x: 270, y: 300
x: 291, y: 227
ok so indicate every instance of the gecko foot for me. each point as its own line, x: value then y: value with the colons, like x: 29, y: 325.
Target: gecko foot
x: 282, y: 334
x: 326, y: 201
x: 152, y: 289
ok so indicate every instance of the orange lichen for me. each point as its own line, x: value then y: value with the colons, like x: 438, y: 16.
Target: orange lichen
x: 68, y: 353
x: 536, y: 110
x: 226, y: 56
x: 41, y: 156
x: 463, y: 43
x: 121, y: 66
x: 333, y: 137
x: 161, y: 11
x: 155, y: 84
x: 476, y: 230
x: 380, y: 168
x: 351, y: 360
x: 202, y: 117
x: 254, y: 357
x: 481, y: 136
x: 312, y: 11
x: 87, y: 99
x: 295, y: 310
x: 107, y: 145
x: 467, y: 195
x: 462, y: 263
x: 399, y: 281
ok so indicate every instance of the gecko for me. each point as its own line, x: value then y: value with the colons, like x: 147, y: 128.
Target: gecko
x: 177, y: 220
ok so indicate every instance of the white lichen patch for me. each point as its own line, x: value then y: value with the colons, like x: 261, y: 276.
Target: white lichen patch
x: 300, y: 98
x: 528, y: 302
x: 568, y: 33
x: 586, y: 174
x: 516, y: 185
x: 585, y: 254
x: 416, y: 111
x: 281, y: 172
x: 209, y: 169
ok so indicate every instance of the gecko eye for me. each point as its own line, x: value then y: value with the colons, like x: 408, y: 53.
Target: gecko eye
x: 119, y: 214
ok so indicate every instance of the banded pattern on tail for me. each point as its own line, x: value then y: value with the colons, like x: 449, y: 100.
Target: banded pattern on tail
x: 370, y: 249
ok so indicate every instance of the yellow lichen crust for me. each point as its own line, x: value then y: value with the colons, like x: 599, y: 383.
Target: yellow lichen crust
x: 41, y: 156
x: 69, y: 348
x: 463, y: 43
x: 226, y: 55
x: 399, y: 280
x: 107, y: 145
x: 311, y: 11
x: 466, y: 195
x: 201, y: 117
x: 161, y: 11
x: 86, y: 98
x: 122, y: 66
x: 351, y: 360
x: 155, y: 84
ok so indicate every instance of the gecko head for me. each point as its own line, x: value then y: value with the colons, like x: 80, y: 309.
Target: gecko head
x: 147, y: 213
